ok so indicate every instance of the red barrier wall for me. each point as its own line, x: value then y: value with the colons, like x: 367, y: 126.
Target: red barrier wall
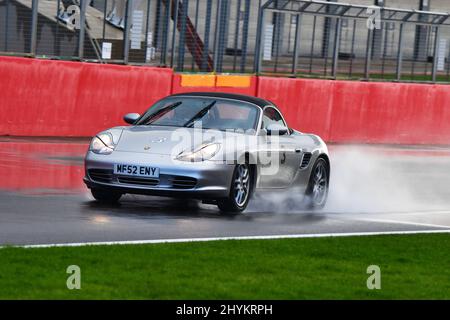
x: 60, y: 98
x: 302, y: 110
x: 55, y: 98
x: 362, y: 112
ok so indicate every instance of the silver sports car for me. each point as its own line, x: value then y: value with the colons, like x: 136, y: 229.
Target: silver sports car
x: 217, y: 147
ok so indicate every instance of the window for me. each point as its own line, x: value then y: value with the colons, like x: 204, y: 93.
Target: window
x: 209, y: 112
x: 270, y: 116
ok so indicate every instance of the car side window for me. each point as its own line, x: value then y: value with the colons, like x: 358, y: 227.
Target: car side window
x: 271, y: 115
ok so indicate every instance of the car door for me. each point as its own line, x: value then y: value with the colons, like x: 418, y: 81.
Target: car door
x: 283, y: 152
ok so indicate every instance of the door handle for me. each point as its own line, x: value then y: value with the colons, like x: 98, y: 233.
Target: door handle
x: 298, y: 150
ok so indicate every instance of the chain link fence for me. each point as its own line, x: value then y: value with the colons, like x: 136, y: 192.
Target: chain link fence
x: 296, y: 38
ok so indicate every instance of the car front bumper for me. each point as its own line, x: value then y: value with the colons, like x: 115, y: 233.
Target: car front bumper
x: 207, y: 179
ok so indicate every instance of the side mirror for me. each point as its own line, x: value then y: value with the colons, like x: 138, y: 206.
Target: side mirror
x: 131, y: 117
x: 276, y: 130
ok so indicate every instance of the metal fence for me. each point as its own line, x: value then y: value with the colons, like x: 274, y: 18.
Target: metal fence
x: 326, y: 39
x: 298, y: 38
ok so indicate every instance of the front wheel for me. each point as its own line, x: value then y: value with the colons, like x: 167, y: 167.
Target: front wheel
x: 104, y: 196
x: 317, y: 190
x: 240, y: 191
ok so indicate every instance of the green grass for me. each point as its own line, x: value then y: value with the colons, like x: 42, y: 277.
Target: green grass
x: 412, y: 267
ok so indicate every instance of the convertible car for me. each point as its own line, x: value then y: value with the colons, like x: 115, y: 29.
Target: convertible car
x: 216, y: 147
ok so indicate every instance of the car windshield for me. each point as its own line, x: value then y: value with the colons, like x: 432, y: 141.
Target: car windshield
x: 207, y: 112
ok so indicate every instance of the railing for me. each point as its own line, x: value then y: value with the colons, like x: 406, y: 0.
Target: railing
x: 296, y: 38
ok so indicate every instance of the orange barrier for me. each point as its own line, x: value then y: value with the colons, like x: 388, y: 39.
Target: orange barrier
x: 362, y: 112
x: 60, y: 98
x: 214, y: 83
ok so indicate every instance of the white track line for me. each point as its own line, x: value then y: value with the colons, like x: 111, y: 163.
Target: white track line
x: 288, y: 236
x: 411, y: 223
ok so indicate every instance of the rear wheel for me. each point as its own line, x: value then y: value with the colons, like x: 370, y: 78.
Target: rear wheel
x: 317, y: 190
x: 104, y: 196
x: 240, y: 191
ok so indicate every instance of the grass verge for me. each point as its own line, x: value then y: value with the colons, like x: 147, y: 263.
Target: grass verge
x: 412, y: 267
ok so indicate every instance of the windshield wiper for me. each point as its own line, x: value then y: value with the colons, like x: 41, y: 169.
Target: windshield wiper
x: 199, y: 115
x: 158, y: 114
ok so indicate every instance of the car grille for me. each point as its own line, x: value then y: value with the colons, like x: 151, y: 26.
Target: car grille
x: 101, y: 175
x: 138, y: 181
x: 179, y: 182
x: 168, y: 181
x: 305, y: 160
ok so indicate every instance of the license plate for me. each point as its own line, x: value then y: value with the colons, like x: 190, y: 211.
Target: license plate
x: 138, y: 171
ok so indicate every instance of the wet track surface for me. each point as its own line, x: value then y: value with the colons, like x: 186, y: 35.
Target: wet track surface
x: 374, y: 189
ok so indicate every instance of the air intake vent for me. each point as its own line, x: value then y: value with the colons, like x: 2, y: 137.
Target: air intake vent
x: 305, y: 161
x: 179, y: 182
x: 138, y: 181
x: 100, y: 175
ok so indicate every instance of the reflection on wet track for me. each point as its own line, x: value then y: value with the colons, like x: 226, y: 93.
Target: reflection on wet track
x: 43, y: 199
x: 36, y: 166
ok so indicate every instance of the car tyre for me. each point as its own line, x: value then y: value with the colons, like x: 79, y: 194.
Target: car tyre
x: 317, y: 190
x: 240, y: 191
x: 106, y: 197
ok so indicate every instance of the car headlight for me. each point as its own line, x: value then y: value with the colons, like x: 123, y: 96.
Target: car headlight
x: 202, y: 153
x: 102, y: 144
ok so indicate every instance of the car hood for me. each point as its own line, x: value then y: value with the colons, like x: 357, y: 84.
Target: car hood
x: 166, y: 140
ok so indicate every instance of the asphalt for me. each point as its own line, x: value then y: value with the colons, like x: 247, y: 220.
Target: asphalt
x: 373, y: 189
